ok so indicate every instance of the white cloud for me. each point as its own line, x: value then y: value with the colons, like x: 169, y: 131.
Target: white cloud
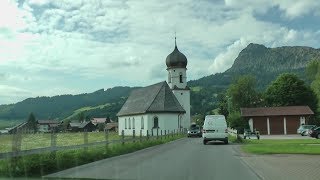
x: 108, y: 43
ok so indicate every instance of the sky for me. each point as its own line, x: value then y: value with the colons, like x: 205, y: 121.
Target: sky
x: 54, y: 47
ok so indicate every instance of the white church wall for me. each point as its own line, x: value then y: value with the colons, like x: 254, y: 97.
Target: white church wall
x: 167, y: 122
x: 134, y: 122
x: 183, y: 97
x: 174, y: 77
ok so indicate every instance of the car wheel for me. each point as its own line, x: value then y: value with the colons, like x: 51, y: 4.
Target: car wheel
x: 226, y: 142
x: 318, y: 136
x: 205, y: 142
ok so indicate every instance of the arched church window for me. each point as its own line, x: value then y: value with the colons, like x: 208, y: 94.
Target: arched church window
x: 125, y: 123
x: 180, y: 78
x: 129, y: 123
x: 142, y: 123
x: 155, y: 122
x: 133, y: 123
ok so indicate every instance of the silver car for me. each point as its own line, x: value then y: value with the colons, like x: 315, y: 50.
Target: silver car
x: 304, y: 129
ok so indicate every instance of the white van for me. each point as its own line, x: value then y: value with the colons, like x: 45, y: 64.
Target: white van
x: 215, y: 128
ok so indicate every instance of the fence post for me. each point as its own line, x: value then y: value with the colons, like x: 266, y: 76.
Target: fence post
x: 161, y: 134
x: 147, y: 134
x: 157, y: 133
x: 106, y: 136
x: 122, y: 137
x: 165, y: 134
x: 134, y: 135
x: 85, y: 139
x: 140, y: 135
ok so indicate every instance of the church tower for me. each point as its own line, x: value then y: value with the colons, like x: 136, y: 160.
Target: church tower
x: 177, y: 80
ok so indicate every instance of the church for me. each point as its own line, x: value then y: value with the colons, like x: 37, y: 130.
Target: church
x: 161, y: 106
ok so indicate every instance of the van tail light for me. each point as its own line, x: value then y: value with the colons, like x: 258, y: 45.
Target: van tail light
x: 204, y: 131
x: 226, y: 131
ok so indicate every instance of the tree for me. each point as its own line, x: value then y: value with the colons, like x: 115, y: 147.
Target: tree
x: 313, y: 72
x: 289, y: 90
x: 81, y: 117
x: 235, y: 121
x: 223, y: 105
x: 32, y: 123
x: 242, y: 93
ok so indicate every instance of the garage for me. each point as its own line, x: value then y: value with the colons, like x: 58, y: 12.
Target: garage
x: 276, y: 125
x: 260, y: 124
x: 277, y: 120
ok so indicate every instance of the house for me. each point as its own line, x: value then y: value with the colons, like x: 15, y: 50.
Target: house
x: 48, y: 125
x: 22, y: 127
x: 82, y: 127
x: 97, y: 121
x: 277, y: 120
x: 161, y: 106
x: 113, y: 126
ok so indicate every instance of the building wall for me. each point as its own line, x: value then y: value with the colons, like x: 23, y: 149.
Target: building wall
x: 166, y: 121
x: 278, y: 124
x: 183, y: 97
x: 174, y: 77
x: 260, y: 124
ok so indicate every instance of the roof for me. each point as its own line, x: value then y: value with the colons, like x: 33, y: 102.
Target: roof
x: 98, y: 120
x: 112, y: 125
x: 276, y: 111
x: 48, y: 122
x: 176, y: 59
x: 80, y: 125
x: 154, y: 98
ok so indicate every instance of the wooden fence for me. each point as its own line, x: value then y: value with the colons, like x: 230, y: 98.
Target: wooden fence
x: 17, y: 138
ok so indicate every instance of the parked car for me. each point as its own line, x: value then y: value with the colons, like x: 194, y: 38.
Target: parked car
x: 315, y: 133
x: 194, y: 131
x: 304, y: 129
x: 215, y: 129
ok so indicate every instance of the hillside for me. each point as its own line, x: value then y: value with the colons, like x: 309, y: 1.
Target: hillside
x: 262, y: 62
x: 100, y: 103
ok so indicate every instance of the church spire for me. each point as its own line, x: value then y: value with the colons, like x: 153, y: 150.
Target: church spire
x: 175, y: 40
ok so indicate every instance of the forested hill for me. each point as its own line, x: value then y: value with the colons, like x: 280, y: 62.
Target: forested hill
x: 263, y: 63
x: 101, y: 103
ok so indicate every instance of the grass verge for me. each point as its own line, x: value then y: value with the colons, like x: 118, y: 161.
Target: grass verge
x: 290, y: 146
x: 46, y: 163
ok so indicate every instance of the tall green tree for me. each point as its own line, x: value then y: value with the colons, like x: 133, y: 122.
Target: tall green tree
x: 289, y: 90
x: 223, y: 104
x: 81, y: 117
x: 242, y: 93
x: 32, y: 122
x: 313, y: 72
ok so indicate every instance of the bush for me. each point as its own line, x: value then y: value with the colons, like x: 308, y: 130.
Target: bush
x: 235, y: 121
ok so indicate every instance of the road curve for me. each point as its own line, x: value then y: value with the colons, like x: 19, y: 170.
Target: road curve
x: 184, y: 159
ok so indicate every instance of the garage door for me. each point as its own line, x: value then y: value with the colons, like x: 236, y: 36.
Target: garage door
x: 276, y: 125
x: 260, y: 124
x: 293, y: 124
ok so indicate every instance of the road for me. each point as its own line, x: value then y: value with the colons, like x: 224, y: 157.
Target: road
x: 184, y: 159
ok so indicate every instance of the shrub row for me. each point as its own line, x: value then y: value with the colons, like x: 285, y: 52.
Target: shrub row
x: 45, y: 163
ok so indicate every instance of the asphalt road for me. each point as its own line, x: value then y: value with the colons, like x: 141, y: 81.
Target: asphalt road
x: 184, y: 159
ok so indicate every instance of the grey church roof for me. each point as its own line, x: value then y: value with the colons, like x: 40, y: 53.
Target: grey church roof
x: 176, y: 59
x: 151, y: 99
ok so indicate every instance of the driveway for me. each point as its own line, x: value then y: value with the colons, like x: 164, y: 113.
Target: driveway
x: 283, y: 167
x: 291, y: 136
